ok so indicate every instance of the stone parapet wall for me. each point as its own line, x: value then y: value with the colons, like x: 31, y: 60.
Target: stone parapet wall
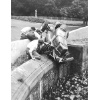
x: 47, y: 81
x: 18, y: 52
x: 26, y: 76
x: 80, y: 54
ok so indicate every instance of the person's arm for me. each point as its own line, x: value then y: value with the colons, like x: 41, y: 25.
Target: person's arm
x: 37, y: 35
x: 53, y: 38
x: 32, y: 56
x: 67, y: 34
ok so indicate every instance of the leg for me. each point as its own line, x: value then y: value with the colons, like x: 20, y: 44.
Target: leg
x: 28, y: 54
x: 54, y: 54
x: 32, y: 55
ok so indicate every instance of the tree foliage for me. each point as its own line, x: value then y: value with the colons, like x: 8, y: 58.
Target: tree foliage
x: 68, y: 8
x: 78, y: 9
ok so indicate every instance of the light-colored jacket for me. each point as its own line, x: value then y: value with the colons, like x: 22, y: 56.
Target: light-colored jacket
x: 61, y: 33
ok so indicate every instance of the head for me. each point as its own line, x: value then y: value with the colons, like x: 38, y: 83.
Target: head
x: 57, y: 25
x: 64, y: 27
x: 33, y: 28
x: 45, y: 26
x: 51, y: 29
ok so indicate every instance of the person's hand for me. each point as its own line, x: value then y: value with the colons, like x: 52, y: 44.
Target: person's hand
x: 49, y: 43
x: 60, y: 59
x: 33, y: 58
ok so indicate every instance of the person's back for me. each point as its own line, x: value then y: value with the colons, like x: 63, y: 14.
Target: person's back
x: 25, y: 29
x: 60, y: 32
x: 33, y: 47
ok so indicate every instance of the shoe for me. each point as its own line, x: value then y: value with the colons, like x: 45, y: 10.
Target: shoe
x: 39, y: 58
x: 69, y: 59
x: 33, y: 58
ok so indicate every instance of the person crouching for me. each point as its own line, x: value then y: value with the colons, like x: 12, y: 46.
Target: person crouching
x: 33, y: 48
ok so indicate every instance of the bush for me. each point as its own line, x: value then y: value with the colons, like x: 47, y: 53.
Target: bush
x: 29, y: 18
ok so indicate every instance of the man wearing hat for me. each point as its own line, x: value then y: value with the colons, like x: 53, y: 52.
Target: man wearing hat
x: 62, y: 31
x: 59, y: 41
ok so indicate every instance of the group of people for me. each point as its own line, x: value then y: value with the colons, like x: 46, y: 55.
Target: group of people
x: 55, y: 36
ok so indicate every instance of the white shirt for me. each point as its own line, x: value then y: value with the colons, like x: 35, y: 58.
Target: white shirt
x: 32, y: 45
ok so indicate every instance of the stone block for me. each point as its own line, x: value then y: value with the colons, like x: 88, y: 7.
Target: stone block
x: 80, y: 54
x: 84, y: 66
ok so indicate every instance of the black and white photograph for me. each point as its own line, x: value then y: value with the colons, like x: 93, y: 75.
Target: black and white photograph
x: 49, y: 49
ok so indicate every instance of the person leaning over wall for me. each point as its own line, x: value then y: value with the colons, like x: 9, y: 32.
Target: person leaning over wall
x: 33, y: 47
x: 34, y: 35
x: 25, y: 31
x: 59, y: 40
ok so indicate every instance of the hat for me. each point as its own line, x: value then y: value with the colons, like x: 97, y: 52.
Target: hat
x: 57, y: 23
x: 51, y: 28
x: 33, y: 28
